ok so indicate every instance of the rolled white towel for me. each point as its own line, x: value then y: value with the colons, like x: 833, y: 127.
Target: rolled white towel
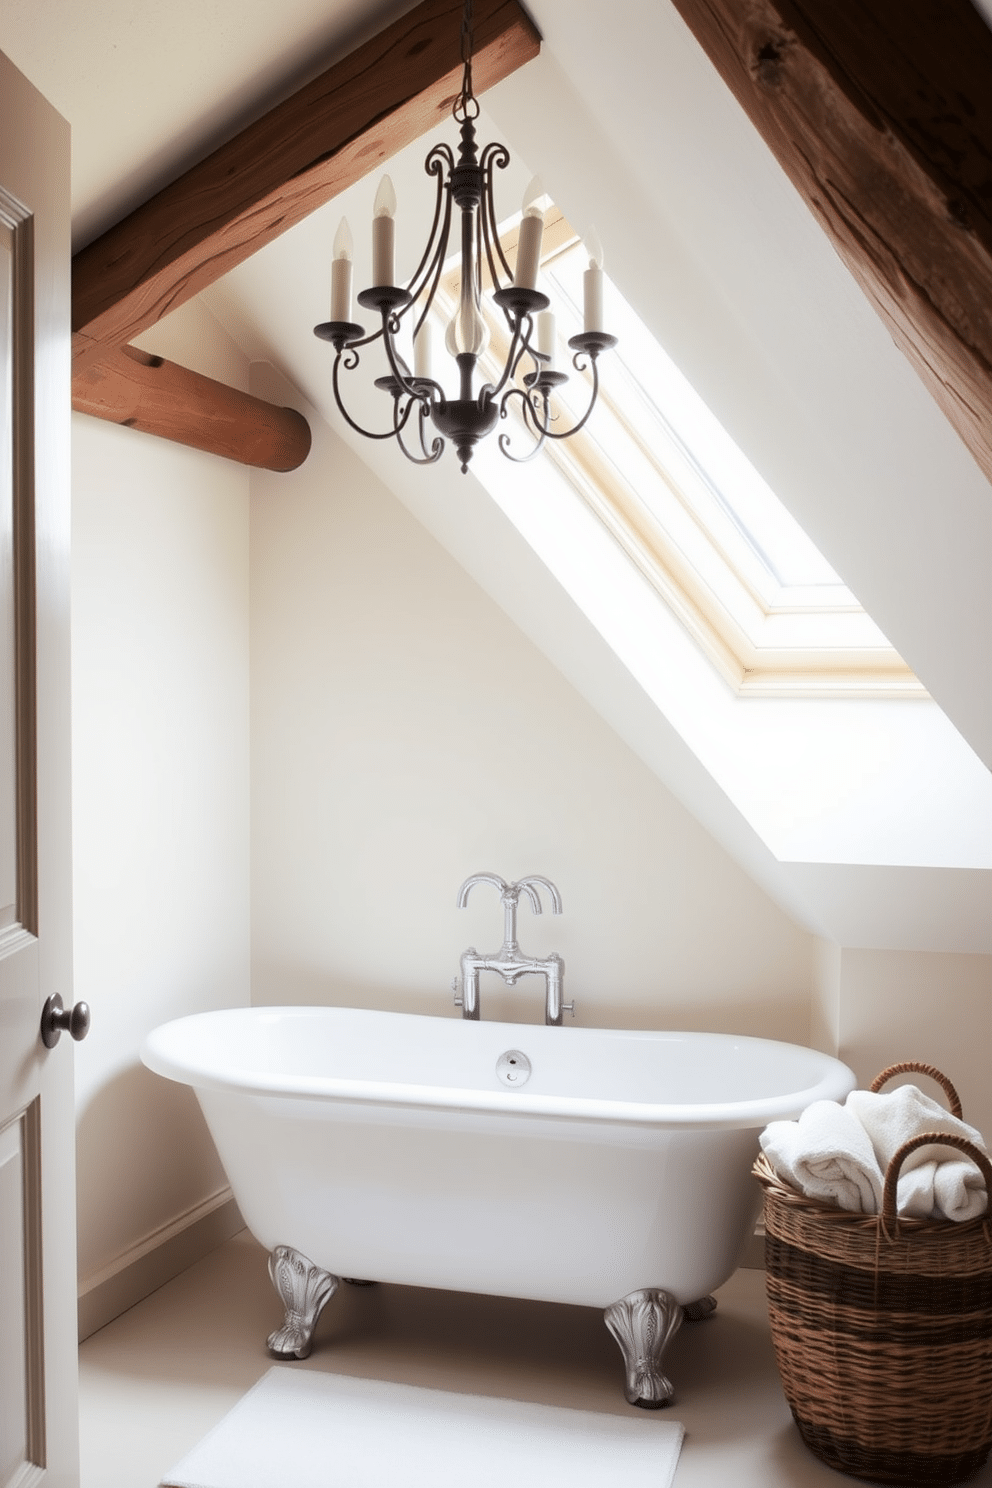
x: 827, y: 1155
x: 891, y: 1118
x: 954, y: 1189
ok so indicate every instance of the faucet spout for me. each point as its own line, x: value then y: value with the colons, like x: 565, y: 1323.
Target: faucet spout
x: 528, y: 884
x: 477, y: 878
x: 510, y: 895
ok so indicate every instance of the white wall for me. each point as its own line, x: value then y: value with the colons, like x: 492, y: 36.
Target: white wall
x: 160, y: 787
x: 405, y: 734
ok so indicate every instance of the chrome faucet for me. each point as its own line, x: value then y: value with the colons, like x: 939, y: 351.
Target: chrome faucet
x: 508, y: 961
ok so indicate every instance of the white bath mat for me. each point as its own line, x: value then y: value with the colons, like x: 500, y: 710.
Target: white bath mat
x: 306, y: 1429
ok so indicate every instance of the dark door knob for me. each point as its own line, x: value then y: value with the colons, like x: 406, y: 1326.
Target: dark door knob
x: 57, y: 1020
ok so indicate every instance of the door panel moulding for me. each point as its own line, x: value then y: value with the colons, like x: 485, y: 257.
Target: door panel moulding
x: 329, y: 134
x: 880, y: 112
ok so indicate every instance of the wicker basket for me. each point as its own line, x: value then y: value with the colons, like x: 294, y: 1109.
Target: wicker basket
x: 883, y: 1326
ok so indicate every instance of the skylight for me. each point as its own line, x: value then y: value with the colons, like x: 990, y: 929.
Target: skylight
x: 721, y: 609
x: 654, y: 389
x: 673, y: 490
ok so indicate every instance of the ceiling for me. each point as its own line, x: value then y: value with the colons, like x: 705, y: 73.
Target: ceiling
x: 630, y: 128
x: 151, y: 86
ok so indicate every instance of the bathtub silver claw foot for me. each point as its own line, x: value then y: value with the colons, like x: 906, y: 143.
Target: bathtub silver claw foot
x: 695, y: 1311
x: 304, y: 1289
x: 643, y: 1324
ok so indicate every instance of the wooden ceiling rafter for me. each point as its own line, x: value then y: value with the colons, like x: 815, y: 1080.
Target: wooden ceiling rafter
x: 348, y: 121
x: 880, y: 112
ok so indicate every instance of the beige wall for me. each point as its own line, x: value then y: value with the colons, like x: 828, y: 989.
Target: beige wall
x: 160, y: 787
x: 899, y: 1005
x: 825, y: 1005
x: 406, y: 734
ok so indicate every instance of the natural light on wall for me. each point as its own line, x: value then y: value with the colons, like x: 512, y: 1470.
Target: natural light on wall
x: 731, y: 621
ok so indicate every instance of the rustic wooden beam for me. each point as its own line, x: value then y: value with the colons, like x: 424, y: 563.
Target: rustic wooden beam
x: 294, y: 159
x: 130, y: 387
x: 880, y: 111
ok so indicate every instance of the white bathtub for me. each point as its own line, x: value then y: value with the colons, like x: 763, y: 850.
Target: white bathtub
x: 383, y: 1146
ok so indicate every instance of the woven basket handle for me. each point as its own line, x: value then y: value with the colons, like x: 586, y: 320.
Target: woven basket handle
x: 944, y: 1139
x: 912, y: 1067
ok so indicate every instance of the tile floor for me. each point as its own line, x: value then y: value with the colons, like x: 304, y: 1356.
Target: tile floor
x: 156, y: 1379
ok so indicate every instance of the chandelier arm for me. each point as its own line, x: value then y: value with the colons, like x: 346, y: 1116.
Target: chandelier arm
x: 400, y: 422
x: 440, y: 157
x: 431, y: 455
x: 365, y: 341
x: 494, y: 155
x: 522, y: 328
x: 539, y: 358
x: 368, y: 433
x: 436, y: 269
x: 504, y: 446
x: 504, y: 439
x: 437, y: 447
x: 537, y: 416
x: 407, y: 384
x: 513, y: 358
x: 526, y: 349
x: 428, y: 393
x: 594, y: 394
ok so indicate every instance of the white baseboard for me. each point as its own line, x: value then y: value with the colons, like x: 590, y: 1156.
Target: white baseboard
x: 160, y: 1256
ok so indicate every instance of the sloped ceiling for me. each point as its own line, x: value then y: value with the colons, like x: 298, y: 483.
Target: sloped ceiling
x: 631, y: 128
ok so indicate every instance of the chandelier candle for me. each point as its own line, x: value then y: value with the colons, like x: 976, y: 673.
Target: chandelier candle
x: 547, y: 337
x: 465, y: 215
x: 422, y: 352
x: 592, y: 284
x: 531, y: 235
x: 384, y: 235
x: 341, y: 267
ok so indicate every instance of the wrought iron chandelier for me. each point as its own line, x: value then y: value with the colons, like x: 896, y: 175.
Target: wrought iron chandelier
x: 529, y: 373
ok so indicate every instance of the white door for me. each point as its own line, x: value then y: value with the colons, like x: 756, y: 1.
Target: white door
x: 38, y: 1404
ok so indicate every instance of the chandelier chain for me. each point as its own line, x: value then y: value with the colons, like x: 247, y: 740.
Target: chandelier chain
x: 466, y: 105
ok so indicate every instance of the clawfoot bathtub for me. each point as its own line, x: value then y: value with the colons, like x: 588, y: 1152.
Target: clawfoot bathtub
x: 593, y: 1166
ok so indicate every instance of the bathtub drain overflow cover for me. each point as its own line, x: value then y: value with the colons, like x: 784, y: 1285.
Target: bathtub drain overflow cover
x: 513, y: 1068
